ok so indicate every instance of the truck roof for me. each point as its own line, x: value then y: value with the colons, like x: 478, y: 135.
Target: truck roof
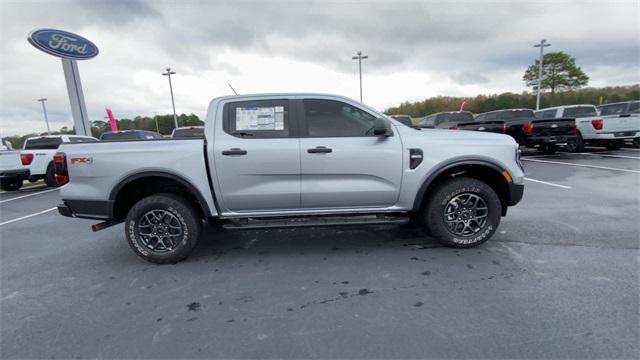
x: 565, y: 106
x: 265, y: 96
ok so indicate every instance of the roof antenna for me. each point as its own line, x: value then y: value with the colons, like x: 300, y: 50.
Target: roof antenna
x: 232, y: 89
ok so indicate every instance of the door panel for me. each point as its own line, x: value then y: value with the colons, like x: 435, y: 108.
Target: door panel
x: 342, y: 164
x: 358, y: 172
x: 257, y: 162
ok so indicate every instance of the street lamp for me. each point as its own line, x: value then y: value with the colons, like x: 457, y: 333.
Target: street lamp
x: 169, y: 73
x: 155, y: 117
x: 543, y: 44
x: 360, y: 57
x: 44, y: 109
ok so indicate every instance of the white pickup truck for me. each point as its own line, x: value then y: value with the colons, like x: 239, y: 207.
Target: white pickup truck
x: 291, y: 160
x: 37, y: 154
x: 593, y: 128
x: 12, y: 172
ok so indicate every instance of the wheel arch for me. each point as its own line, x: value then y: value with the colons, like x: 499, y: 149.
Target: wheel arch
x: 132, y: 185
x: 482, y: 169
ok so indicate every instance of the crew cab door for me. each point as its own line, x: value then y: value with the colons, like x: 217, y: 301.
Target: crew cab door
x: 257, y: 157
x: 343, y: 165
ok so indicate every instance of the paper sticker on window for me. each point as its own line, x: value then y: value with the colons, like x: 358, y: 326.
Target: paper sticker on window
x: 252, y: 118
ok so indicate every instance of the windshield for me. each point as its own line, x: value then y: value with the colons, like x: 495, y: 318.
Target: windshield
x: 43, y: 143
x: 455, y: 117
x: 580, y: 111
x: 115, y: 136
x: 188, y: 133
x: 614, y: 109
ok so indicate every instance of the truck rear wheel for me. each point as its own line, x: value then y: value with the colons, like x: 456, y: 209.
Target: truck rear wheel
x: 163, y: 228
x: 463, y: 212
x: 11, y: 184
x: 50, y: 176
x: 576, y: 145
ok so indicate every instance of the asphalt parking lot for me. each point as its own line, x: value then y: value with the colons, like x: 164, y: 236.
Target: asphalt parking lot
x: 559, y: 280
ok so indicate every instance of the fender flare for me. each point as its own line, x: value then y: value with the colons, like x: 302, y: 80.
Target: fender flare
x: 417, y: 203
x: 167, y: 175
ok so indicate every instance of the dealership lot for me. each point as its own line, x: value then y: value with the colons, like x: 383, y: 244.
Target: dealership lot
x: 560, y: 279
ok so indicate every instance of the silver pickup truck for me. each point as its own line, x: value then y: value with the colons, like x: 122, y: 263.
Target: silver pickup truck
x: 292, y: 160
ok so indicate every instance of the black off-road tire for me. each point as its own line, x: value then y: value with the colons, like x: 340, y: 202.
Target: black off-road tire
x: 576, y: 145
x: 50, y: 176
x: 182, y: 210
x: 11, y: 184
x: 548, y: 149
x: 434, y: 219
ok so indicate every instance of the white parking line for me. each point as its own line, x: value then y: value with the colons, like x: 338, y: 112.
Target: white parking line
x: 548, y: 183
x: 582, y: 165
x: 24, y: 196
x: 27, y: 216
x: 607, y: 155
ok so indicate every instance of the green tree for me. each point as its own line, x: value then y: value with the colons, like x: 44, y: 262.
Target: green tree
x: 559, y: 72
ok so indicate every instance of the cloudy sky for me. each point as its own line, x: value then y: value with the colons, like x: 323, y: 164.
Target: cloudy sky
x: 416, y: 50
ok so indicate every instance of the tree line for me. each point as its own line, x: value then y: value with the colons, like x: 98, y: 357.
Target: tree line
x: 484, y: 103
x: 165, y: 125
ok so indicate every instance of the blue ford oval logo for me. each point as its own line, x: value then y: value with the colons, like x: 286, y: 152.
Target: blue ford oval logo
x: 63, y: 44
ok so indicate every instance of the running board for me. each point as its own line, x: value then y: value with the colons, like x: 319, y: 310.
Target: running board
x: 311, y: 221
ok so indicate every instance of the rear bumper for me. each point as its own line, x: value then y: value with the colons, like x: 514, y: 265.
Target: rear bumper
x: 87, y: 209
x: 613, y: 135
x: 20, y: 174
x: 556, y: 139
x: 516, y: 192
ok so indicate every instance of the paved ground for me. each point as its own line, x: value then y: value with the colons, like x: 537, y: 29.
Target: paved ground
x: 560, y: 280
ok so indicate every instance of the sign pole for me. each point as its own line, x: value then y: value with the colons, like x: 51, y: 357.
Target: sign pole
x: 76, y: 97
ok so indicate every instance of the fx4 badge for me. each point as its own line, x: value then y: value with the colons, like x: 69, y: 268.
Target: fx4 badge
x: 81, y: 160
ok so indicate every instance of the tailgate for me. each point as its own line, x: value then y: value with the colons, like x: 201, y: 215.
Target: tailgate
x: 10, y: 160
x: 494, y: 126
x: 553, y: 127
x: 621, y: 123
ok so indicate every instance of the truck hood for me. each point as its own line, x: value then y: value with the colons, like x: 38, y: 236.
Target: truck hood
x: 410, y: 135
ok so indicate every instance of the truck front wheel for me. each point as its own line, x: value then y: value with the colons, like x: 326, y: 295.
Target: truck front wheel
x: 163, y: 228
x: 463, y: 212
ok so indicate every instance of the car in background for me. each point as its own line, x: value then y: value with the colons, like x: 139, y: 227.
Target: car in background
x: 628, y: 109
x: 545, y: 135
x: 37, y: 155
x: 609, y: 128
x: 124, y: 135
x: 188, y: 132
x: 445, y: 120
x: 12, y: 172
x: 403, y: 119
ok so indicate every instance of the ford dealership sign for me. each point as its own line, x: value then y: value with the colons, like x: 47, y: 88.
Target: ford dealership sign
x: 63, y: 44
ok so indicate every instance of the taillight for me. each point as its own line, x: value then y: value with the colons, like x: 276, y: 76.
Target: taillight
x: 26, y: 159
x: 504, y: 128
x: 528, y: 128
x: 454, y: 127
x: 60, y: 165
x: 597, y: 124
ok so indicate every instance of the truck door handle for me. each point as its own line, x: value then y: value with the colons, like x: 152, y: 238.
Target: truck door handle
x: 319, y: 150
x: 234, y: 151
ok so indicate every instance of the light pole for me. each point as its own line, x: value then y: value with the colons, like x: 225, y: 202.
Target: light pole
x: 44, y: 109
x: 169, y: 73
x: 360, y: 57
x: 543, y: 44
x: 155, y: 117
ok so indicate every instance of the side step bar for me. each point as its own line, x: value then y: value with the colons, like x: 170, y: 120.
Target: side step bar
x: 312, y: 221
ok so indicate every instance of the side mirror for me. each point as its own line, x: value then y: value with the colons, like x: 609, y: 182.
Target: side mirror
x: 381, y: 128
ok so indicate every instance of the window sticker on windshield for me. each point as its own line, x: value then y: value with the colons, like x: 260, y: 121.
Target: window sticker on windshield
x: 252, y: 118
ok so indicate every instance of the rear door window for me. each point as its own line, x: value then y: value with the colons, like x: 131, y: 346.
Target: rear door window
x: 77, y: 139
x: 43, y: 144
x: 613, y: 109
x: 188, y: 133
x: 258, y: 119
